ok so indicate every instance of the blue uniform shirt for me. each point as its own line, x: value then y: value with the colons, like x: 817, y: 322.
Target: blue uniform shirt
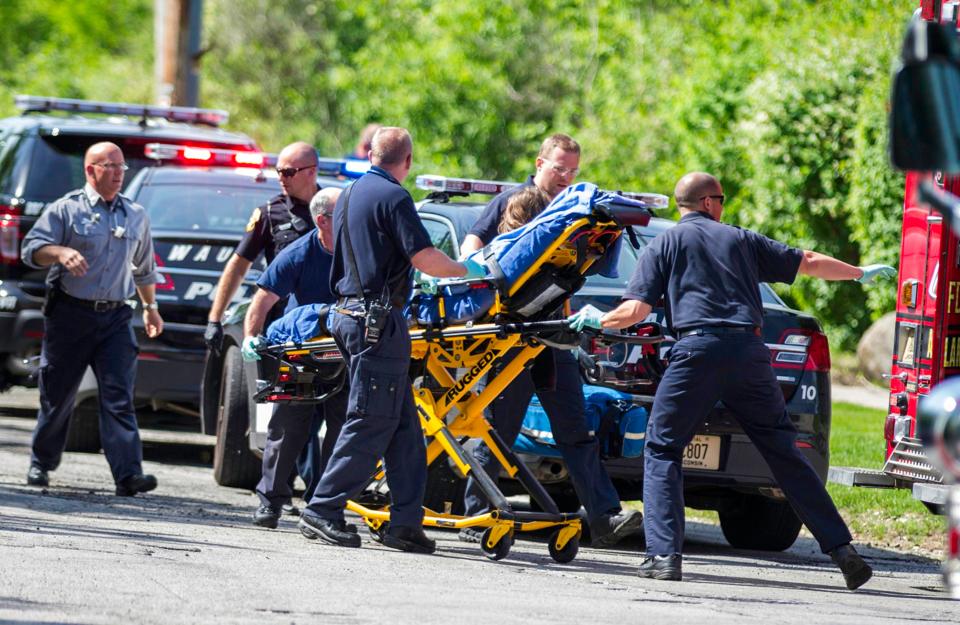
x: 114, y: 239
x: 710, y: 273
x: 300, y: 271
x: 385, y: 232
x: 487, y: 225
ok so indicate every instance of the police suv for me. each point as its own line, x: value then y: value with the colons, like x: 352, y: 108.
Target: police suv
x: 41, y: 159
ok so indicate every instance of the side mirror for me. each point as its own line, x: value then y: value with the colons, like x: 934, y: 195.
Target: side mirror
x: 925, y: 114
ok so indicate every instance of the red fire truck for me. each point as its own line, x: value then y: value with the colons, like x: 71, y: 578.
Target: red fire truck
x: 926, y: 349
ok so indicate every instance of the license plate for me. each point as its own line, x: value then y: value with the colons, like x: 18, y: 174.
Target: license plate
x: 703, y: 452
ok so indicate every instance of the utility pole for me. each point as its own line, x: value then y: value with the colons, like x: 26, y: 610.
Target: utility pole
x: 177, y: 30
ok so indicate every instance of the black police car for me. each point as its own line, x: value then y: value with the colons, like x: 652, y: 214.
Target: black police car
x: 723, y: 470
x: 41, y: 158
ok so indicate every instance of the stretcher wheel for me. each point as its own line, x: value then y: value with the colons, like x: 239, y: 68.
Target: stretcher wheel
x: 376, y: 535
x: 498, y: 551
x: 569, y: 551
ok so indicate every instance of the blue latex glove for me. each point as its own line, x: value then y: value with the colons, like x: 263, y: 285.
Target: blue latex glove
x: 426, y: 284
x: 586, y: 317
x: 871, y: 272
x: 249, y: 349
x: 474, y: 270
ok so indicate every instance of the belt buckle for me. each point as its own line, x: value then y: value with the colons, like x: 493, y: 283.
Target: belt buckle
x: 101, y: 305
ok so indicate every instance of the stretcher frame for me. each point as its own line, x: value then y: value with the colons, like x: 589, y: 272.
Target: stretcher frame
x: 451, y: 411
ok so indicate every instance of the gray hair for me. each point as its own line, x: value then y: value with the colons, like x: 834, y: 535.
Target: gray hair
x: 323, y: 202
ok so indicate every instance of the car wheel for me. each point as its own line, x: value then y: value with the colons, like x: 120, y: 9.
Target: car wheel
x: 233, y: 462
x: 83, y: 434
x: 757, y: 522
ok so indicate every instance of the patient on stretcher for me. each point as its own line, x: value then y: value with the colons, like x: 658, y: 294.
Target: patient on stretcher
x: 529, y: 287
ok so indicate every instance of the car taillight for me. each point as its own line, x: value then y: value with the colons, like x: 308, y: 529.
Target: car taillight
x: 817, y: 357
x: 9, y: 235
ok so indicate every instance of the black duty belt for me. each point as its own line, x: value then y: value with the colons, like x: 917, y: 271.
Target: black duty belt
x: 718, y: 330
x: 348, y: 301
x: 99, y: 305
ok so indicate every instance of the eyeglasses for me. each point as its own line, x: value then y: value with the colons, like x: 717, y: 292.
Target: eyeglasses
x: 290, y: 172
x: 720, y: 198
x: 119, y: 166
x: 561, y: 170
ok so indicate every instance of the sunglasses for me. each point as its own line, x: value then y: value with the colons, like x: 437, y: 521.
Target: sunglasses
x: 290, y: 172
x: 719, y: 198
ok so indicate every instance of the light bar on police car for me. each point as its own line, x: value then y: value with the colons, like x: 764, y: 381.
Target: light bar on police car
x: 649, y: 200
x: 347, y: 167
x: 444, y: 184
x: 199, y: 155
x: 188, y: 114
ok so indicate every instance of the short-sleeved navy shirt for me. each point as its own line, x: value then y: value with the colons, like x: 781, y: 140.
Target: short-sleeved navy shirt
x: 385, y: 232
x: 283, y: 215
x: 709, y: 273
x: 487, y: 225
x: 301, y: 271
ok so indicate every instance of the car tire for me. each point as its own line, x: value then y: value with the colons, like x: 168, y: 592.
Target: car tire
x: 233, y: 463
x: 83, y: 433
x: 760, y: 523
x: 444, y: 488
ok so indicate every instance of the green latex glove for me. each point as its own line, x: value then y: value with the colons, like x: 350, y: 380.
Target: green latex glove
x: 872, y: 272
x: 249, y: 348
x: 426, y: 284
x: 586, y: 317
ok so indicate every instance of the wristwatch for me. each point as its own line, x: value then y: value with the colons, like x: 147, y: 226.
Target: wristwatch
x: 151, y: 306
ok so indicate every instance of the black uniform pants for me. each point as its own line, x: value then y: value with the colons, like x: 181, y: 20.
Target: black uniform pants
x: 74, y: 338
x: 292, y: 442
x: 735, y: 369
x: 381, y: 422
x: 564, y: 404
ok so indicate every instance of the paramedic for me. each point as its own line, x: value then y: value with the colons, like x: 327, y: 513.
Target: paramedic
x: 709, y: 274
x: 301, y: 271
x: 562, y: 396
x: 98, y: 246
x: 378, y: 239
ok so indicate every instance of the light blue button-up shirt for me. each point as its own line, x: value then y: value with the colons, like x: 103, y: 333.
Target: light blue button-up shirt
x: 114, y: 239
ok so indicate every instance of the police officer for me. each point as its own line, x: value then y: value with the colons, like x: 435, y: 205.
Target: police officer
x: 710, y: 274
x: 301, y: 271
x: 284, y: 219
x: 378, y: 237
x: 562, y: 396
x: 97, y: 244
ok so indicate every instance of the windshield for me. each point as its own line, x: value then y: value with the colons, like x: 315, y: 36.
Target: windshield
x: 204, y: 208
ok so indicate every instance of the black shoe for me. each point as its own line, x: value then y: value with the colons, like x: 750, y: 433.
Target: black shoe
x: 613, y: 528
x: 333, y: 532
x: 266, y: 516
x: 662, y: 567
x: 855, y: 571
x: 37, y: 476
x: 471, y: 535
x: 290, y: 510
x: 410, y: 539
x: 130, y: 486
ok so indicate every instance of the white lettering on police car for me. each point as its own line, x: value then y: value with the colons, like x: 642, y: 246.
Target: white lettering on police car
x: 179, y: 252
x: 224, y: 254
x: 202, y: 254
x: 198, y: 289
x: 8, y: 302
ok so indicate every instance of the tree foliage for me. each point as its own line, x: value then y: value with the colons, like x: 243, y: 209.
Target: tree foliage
x: 783, y: 99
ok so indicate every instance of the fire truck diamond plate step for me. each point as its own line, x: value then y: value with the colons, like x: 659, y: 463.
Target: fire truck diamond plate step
x: 855, y: 476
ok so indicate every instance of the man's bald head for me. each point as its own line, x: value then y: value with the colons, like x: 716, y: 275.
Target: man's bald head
x: 103, y: 167
x: 99, y: 152
x: 299, y: 154
x: 694, y: 186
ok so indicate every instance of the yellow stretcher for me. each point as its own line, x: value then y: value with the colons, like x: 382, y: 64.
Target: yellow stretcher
x: 446, y: 365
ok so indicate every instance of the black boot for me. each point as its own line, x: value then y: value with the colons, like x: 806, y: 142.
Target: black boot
x: 333, y: 532
x: 662, y: 567
x: 855, y: 571
x: 410, y: 539
x: 130, y: 486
